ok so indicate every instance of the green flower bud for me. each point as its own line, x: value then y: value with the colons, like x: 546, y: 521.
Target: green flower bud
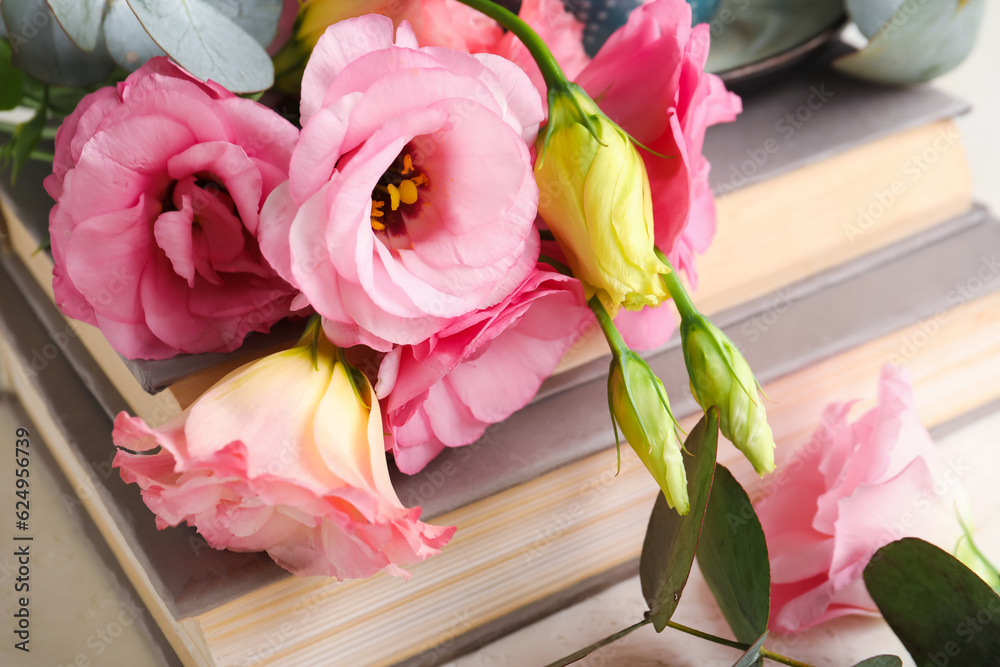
x: 640, y: 408
x: 594, y: 195
x: 721, y: 377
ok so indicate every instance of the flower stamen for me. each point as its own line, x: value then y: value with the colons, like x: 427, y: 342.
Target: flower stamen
x: 397, y: 187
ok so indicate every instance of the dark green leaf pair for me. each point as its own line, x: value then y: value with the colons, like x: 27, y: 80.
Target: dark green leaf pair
x: 722, y: 529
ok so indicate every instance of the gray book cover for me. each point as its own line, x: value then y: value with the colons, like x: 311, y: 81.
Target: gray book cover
x: 811, y: 114
x: 820, y: 317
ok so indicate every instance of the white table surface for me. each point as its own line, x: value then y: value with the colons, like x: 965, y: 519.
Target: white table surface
x: 80, y: 614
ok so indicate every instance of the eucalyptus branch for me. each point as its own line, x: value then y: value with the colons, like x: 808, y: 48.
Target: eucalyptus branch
x: 584, y: 652
x: 770, y: 655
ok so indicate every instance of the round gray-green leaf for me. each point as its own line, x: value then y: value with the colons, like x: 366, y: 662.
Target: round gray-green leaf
x: 128, y: 42
x: 207, y: 43
x: 81, y: 19
x: 870, y: 15
x: 936, y: 606
x: 43, y: 49
x: 259, y: 18
x: 732, y: 554
x: 922, y: 40
x: 669, y: 547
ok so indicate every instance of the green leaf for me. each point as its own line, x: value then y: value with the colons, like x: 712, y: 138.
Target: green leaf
x: 42, y: 49
x: 881, y: 661
x: 732, y: 554
x: 25, y: 139
x: 81, y: 19
x: 940, y: 609
x: 752, y: 655
x: 205, y: 42
x: 922, y: 40
x: 671, y: 539
x: 12, y: 89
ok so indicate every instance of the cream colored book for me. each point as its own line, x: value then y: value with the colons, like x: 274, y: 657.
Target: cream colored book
x: 542, y: 517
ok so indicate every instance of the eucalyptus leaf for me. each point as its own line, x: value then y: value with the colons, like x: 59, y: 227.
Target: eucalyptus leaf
x: 42, y: 48
x: 752, y: 655
x: 922, y: 40
x: 940, y: 609
x: 881, y: 661
x: 205, y: 42
x: 80, y: 19
x: 258, y: 18
x: 870, y: 15
x: 732, y: 554
x: 669, y: 547
x: 128, y: 42
x: 12, y: 89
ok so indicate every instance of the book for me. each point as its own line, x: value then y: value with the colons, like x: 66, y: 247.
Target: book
x: 539, y: 526
x: 848, y: 161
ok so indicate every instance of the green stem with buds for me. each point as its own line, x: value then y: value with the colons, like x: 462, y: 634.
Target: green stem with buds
x: 615, y: 342
x: 677, y: 292
x: 551, y: 71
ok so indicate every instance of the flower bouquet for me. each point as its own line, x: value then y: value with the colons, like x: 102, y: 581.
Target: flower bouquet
x: 449, y: 196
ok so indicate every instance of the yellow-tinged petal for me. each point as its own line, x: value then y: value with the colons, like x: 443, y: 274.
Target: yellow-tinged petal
x: 594, y: 195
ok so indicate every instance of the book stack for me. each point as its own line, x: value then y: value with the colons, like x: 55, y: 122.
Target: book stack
x: 847, y: 238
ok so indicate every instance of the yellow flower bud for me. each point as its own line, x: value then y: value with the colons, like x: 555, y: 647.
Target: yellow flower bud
x: 640, y: 408
x: 721, y: 377
x: 594, y: 195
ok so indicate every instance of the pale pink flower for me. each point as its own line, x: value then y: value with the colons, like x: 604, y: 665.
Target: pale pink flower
x: 855, y: 487
x: 158, y: 185
x: 386, y: 267
x: 285, y: 457
x: 445, y: 391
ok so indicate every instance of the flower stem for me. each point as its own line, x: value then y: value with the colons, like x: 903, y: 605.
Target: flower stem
x: 704, y: 635
x: 551, y: 71
x: 677, y: 292
x: 8, y: 128
x: 770, y: 655
x: 614, y: 338
x: 584, y: 652
x: 777, y: 657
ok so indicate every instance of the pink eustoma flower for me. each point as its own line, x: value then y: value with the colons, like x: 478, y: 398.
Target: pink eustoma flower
x: 445, y: 391
x: 411, y: 198
x: 159, y: 185
x: 284, y: 455
x: 855, y: 487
